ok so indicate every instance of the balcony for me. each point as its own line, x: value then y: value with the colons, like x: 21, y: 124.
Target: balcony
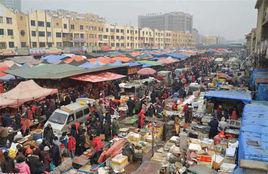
x: 79, y: 39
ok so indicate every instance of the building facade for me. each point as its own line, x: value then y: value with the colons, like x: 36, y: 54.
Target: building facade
x: 13, y: 29
x: 13, y: 4
x: 174, y: 21
x: 64, y: 29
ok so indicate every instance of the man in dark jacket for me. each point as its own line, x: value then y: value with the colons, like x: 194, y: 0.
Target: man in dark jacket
x: 213, y: 128
x: 7, y: 165
x: 131, y: 106
x: 48, y: 134
x: 55, y: 154
x: 34, y: 163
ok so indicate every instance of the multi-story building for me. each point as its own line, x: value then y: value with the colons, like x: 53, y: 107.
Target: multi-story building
x: 146, y: 38
x: 13, y: 29
x: 262, y: 26
x: 13, y: 4
x: 158, y: 39
x: 62, y: 28
x: 67, y: 29
x: 174, y: 21
x: 210, y: 40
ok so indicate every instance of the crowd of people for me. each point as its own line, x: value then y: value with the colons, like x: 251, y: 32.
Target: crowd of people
x: 52, y: 151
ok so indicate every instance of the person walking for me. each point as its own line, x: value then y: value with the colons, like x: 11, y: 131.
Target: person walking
x: 8, y: 165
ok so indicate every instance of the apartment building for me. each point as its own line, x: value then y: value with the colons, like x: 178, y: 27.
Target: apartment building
x: 68, y: 29
x: 174, y: 21
x: 146, y: 38
x: 13, y: 29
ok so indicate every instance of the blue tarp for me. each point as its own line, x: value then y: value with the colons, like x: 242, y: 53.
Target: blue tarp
x: 245, y: 97
x: 131, y: 64
x: 88, y: 65
x: 54, y: 59
x: 116, y: 63
x: 257, y: 73
x: 262, y: 92
x: 253, y: 137
x: 178, y: 56
x: 7, y: 77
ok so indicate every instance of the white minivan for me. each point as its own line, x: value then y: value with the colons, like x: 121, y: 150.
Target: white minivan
x: 62, y: 119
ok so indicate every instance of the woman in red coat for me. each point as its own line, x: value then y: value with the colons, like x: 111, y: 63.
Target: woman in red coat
x: 71, y: 145
x: 141, y: 118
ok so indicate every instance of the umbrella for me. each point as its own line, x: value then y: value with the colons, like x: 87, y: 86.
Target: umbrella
x: 146, y: 71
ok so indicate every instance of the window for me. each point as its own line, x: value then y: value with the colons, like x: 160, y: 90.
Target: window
x: 34, y: 44
x: 3, y: 45
x: 111, y: 30
x: 122, y: 45
x: 117, y: 44
x: 41, y: 34
x: 82, y: 36
x: 32, y: 23
x: 48, y: 34
x: 9, y: 32
x: 117, y: 30
x: 59, y: 44
x: 33, y: 33
x: 127, y: 31
x: 2, y: 32
x: 76, y: 35
x: 42, y: 44
x: 117, y: 37
x: 1, y: 21
x: 122, y: 31
x: 112, y: 37
x: 41, y: 23
x: 70, y: 118
x: 65, y: 26
x: 122, y: 37
x: 105, y: 36
x: 86, y: 111
x: 107, y: 29
x: 9, y: 20
x: 48, y: 24
x: 112, y: 44
x: 49, y: 44
x: 22, y: 32
x: 23, y: 44
x: 11, y: 44
x: 79, y: 114
x: 58, y: 34
x: 72, y: 27
x: 81, y: 27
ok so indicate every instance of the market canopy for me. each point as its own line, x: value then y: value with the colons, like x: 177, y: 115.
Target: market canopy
x: 47, y: 71
x: 75, y: 58
x: 146, y: 71
x: 253, y: 132
x: 148, y: 63
x: 243, y: 96
x: 54, y: 59
x: 168, y: 60
x: 99, y: 77
x: 24, y: 92
x: 24, y: 59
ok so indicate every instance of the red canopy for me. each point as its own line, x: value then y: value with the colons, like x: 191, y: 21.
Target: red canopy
x: 146, y: 71
x: 2, y: 69
x: 99, y: 77
x: 24, y: 92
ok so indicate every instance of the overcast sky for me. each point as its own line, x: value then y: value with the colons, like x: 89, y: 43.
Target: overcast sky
x: 228, y: 18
